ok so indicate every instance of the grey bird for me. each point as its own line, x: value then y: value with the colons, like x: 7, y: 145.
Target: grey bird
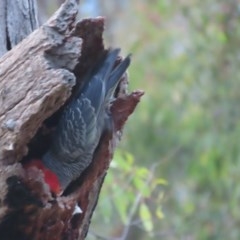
x: 84, y: 120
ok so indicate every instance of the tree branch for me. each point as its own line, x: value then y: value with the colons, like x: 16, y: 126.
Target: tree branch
x: 35, y: 81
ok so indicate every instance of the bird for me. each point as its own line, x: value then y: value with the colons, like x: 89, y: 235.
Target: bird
x: 82, y: 123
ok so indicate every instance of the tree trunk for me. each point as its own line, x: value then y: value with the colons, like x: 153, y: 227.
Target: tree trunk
x: 37, y: 77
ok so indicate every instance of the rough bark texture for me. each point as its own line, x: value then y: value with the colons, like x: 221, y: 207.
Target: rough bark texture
x: 18, y: 18
x: 3, y: 35
x: 36, y: 79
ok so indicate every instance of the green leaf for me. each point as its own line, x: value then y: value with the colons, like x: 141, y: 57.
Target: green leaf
x: 123, y: 161
x: 121, y: 203
x: 159, y: 213
x: 142, y: 172
x: 160, y: 181
x: 146, y: 217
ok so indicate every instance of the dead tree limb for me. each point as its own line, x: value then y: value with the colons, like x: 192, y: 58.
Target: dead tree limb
x: 36, y: 79
x: 17, y: 20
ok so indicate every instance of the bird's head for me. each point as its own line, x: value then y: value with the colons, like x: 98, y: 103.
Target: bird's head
x: 50, y: 177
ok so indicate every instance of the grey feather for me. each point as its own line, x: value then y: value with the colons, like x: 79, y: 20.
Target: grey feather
x: 83, y: 121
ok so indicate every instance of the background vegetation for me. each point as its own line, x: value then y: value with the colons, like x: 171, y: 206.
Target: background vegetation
x: 176, y: 173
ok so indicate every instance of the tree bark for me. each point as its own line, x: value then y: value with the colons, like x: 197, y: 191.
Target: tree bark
x: 18, y: 18
x: 37, y: 77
